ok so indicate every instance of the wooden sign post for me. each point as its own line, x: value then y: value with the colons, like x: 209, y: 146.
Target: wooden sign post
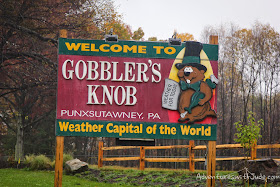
x: 211, y: 151
x: 59, y: 144
x: 211, y: 163
x: 59, y: 161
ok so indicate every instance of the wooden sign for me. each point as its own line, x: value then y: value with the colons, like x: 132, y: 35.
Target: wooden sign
x: 132, y: 89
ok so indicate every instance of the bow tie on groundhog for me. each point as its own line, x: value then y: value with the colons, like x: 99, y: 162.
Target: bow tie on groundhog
x: 195, y: 86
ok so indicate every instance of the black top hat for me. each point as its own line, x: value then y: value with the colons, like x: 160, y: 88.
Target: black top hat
x: 192, y: 56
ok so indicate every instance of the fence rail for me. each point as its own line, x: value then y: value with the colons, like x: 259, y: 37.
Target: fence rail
x: 191, y: 147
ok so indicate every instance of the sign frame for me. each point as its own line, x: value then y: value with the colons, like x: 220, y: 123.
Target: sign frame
x: 161, y: 51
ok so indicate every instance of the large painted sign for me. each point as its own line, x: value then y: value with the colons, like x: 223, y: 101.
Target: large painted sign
x: 132, y: 89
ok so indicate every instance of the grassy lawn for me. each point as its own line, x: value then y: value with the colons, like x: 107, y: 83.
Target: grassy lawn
x: 116, y: 176
x: 22, y: 178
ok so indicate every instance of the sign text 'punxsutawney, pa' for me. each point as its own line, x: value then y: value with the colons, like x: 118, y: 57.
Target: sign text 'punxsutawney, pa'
x: 132, y: 89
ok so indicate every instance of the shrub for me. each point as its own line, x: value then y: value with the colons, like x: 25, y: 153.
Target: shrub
x: 40, y: 162
x: 52, y: 164
x: 29, y: 159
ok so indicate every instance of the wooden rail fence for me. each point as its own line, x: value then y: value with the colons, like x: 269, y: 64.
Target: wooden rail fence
x: 191, y: 159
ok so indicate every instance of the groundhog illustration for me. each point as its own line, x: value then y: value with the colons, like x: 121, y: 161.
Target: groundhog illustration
x: 195, y: 93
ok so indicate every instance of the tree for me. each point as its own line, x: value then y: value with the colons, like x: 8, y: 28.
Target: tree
x: 121, y: 29
x: 248, y: 134
x: 266, y: 52
x: 247, y: 69
x: 138, y: 34
x: 185, y: 37
x: 29, y: 32
x: 154, y: 39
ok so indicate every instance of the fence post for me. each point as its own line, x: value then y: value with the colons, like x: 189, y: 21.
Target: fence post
x: 100, y: 154
x: 191, y: 156
x: 142, y: 158
x: 211, y: 163
x: 254, y: 151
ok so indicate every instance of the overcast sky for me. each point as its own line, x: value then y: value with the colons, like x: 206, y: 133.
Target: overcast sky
x: 160, y: 17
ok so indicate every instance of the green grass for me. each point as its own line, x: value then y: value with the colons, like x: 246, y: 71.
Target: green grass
x: 23, y: 178
x: 109, y: 176
x: 169, y: 177
x: 149, y: 177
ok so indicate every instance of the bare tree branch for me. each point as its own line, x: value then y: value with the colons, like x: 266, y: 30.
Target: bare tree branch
x: 24, y: 29
x: 6, y: 123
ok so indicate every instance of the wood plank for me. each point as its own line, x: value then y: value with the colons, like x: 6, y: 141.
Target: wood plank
x: 229, y: 146
x: 59, y: 161
x: 254, y: 151
x: 232, y: 158
x: 100, y: 154
x: 220, y: 159
x: 200, y: 147
x: 120, y: 147
x: 146, y: 148
x: 167, y: 159
x: 211, y: 163
x: 213, y: 40
x: 166, y: 147
x: 191, y: 156
x: 171, y: 159
x: 142, y: 158
x: 121, y: 158
x: 199, y: 160
x: 223, y: 146
x: 63, y: 33
x: 274, y: 146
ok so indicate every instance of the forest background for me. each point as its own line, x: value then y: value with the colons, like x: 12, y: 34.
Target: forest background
x: 249, y: 74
